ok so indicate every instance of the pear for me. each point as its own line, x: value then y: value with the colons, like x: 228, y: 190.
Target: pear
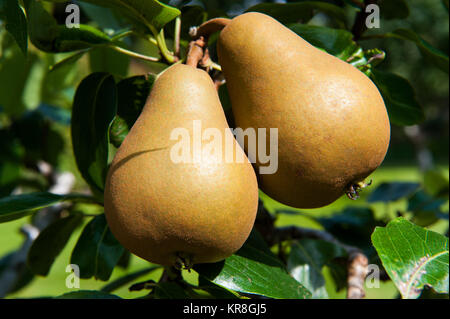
x: 175, y: 209
x: 333, y: 127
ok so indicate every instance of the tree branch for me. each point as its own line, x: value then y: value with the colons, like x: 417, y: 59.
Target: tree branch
x: 63, y: 184
x: 359, y: 26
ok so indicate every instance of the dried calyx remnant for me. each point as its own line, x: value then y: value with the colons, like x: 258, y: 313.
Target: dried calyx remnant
x: 183, y: 261
x: 354, y: 189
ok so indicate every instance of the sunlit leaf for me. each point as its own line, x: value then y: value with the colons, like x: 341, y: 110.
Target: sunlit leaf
x: 413, y: 257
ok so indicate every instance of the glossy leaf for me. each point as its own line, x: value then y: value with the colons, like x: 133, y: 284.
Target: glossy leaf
x: 97, y: 252
x: 50, y: 243
x: 87, y: 294
x: 306, y: 260
x: 399, y: 97
x: 94, y: 108
x: 214, y: 290
x: 146, y: 14
x: 299, y: 11
x: 48, y: 36
x: 17, y: 206
x: 413, y: 257
x: 132, y: 95
x: 15, y: 22
x: 389, y: 192
x: 254, y: 271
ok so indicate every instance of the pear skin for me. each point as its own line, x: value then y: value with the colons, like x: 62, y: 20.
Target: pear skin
x: 165, y: 211
x: 333, y: 127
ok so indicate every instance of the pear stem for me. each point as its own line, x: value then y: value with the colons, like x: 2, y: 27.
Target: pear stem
x: 209, y: 27
x: 196, y: 52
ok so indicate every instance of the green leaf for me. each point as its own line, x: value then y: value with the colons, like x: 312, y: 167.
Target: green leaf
x: 214, y: 290
x: 50, y: 243
x: 254, y: 271
x: 18, y: 206
x: 399, y: 97
x: 48, y: 36
x: 68, y: 60
x: 97, y: 252
x: 132, y: 95
x: 337, y: 42
x: 394, y: 9
x: 435, y: 56
x: 94, y: 109
x: 306, y: 260
x: 15, y: 22
x: 300, y: 11
x: 390, y: 192
x: 413, y: 257
x: 340, y: 43
x: 146, y: 14
x: 87, y: 294
x: 122, y: 281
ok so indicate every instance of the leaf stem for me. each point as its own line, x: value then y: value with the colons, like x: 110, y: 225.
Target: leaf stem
x: 134, y: 54
x: 161, y: 42
x: 121, y: 35
x: 177, y: 36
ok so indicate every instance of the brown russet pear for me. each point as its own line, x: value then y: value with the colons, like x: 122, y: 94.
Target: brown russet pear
x: 166, y: 210
x: 333, y: 127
